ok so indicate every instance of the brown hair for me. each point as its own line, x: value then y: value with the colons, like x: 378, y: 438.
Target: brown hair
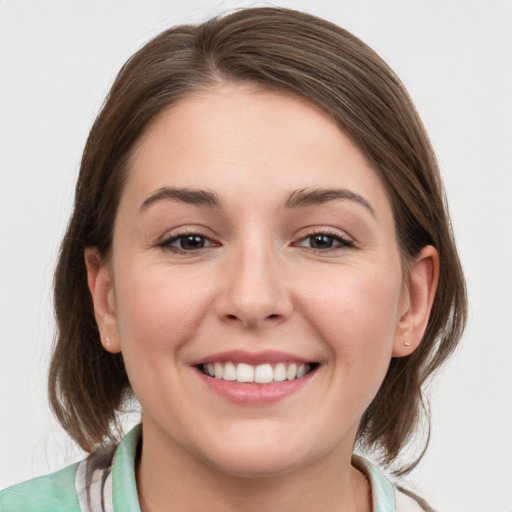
x: 284, y: 50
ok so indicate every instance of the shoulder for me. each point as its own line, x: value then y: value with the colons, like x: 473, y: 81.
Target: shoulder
x: 49, y: 493
x: 105, y: 480
x: 386, y: 496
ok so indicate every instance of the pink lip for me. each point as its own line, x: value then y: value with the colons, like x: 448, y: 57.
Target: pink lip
x: 253, y: 358
x: 253, y: 394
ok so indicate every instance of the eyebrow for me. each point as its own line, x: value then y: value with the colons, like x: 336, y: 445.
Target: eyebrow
x: 297, y: 199
x: 311, y: 197
x: 185, y: 195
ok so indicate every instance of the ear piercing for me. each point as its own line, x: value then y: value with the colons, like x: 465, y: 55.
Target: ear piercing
x: 406, y: 343
x: 107, y: 341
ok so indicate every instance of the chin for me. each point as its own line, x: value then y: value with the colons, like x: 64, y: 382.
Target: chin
x: 250, y: 459
x: 257, y: 467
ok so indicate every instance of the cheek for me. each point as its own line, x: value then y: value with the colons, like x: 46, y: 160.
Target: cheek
x: 357, y: 314
x: 158, y: 312
x: 158, y: 309
x: 357, y: 319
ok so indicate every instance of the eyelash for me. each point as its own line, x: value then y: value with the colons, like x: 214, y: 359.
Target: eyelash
x: 167, y: 244
x: 339, y: 241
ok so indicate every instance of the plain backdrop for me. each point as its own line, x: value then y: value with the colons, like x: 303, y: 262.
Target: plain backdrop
x: 57, y: 61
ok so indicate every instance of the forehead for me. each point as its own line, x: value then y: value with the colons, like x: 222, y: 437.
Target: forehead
x: 239, y: 140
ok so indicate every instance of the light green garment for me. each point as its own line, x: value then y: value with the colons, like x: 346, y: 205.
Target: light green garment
x: 107, y: 484
x: 87, y: 486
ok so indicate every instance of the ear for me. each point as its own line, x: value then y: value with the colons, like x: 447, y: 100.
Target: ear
x: 417, y: 299
x: 99, y: 279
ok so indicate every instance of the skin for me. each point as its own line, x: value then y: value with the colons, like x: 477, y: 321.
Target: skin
x: 258, y: 284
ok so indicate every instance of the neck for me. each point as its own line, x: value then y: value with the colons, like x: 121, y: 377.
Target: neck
x: 173, y: 480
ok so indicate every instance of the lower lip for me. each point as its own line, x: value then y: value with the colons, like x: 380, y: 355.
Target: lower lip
x: 252, y: 393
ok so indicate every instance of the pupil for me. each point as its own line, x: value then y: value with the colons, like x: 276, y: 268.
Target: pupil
x: 322, y: 241
x: 192, y: 242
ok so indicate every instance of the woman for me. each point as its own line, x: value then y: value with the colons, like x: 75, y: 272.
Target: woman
x: 261, y: 255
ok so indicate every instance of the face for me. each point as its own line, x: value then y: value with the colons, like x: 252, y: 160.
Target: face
x: 255, y: 284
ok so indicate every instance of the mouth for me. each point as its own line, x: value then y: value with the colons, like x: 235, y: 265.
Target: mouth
x: 266, y: 373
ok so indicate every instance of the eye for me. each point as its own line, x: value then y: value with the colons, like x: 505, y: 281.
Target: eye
x: 187, y: 242
x: 324, y: 241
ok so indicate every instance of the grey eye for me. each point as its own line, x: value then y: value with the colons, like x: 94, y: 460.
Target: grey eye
x: 324, y: 241
x: 321, y: 241
x: 191, y: 242
x: 187, y: 243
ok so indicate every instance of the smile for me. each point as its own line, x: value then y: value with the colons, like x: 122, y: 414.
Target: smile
x: 258, y: 374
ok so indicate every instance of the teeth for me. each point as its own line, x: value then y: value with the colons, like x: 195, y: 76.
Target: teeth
x: 244, y: 373
x: 219, y: 371
x: 301, y: 371
x: 229, y: 372
x: 291, y: 372
x: 263, y: 374
x: 260, y: 374
x: 280, y: 372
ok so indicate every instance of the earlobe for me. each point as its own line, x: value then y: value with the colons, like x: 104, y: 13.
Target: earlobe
x: 99, y: 280
x: 419, y: 293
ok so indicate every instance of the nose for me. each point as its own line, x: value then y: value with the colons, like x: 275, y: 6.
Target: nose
x: 254, y: 292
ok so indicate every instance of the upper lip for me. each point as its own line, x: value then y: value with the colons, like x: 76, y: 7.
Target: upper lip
x: 253, y: 358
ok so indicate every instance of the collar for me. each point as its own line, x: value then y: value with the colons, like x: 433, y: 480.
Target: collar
x: 124, y: 486
x: 383, y: 492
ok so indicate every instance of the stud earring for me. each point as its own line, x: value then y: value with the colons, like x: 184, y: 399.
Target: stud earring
x: 107, y: 341
x: 407, y: 344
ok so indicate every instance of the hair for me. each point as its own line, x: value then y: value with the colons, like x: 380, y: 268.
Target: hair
x: 282, y: 50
